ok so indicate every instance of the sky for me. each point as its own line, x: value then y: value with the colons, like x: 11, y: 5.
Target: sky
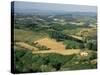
x: 32, y: 6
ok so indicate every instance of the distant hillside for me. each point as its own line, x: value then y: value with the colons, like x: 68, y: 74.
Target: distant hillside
x: 52, y: 9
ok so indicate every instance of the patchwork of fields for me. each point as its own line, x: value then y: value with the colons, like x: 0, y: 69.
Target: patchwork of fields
x: 45, y: 43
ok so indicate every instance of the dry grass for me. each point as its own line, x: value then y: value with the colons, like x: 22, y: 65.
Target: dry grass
x: 51, y: 43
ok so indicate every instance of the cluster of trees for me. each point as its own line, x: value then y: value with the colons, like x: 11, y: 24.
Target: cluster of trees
x: 57, y: 35
x: 25, y: 61
x: 70, y: 44
x: 69, y: 41
x: 89, y: 42
x: 59, y: 27
x: 92, y: 45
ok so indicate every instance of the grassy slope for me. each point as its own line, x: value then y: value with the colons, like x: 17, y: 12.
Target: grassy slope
x: 23, y: 35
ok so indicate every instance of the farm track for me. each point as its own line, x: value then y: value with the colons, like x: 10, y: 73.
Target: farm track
x: 63, y: 52
x: 77, y: 37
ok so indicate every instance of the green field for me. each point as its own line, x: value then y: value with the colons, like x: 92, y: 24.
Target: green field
x: 27, y: 35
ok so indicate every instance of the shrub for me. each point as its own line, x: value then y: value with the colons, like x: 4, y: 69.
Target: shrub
x: 47, y: 68
x: 92, y: 45
x: 72, y: 44
x: 22, y: 60
x: 78, y: 66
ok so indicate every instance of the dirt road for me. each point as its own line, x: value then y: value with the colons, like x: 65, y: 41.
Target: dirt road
x: 63, y: 52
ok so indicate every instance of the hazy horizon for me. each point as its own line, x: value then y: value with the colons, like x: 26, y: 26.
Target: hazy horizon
x: 34, y: 7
